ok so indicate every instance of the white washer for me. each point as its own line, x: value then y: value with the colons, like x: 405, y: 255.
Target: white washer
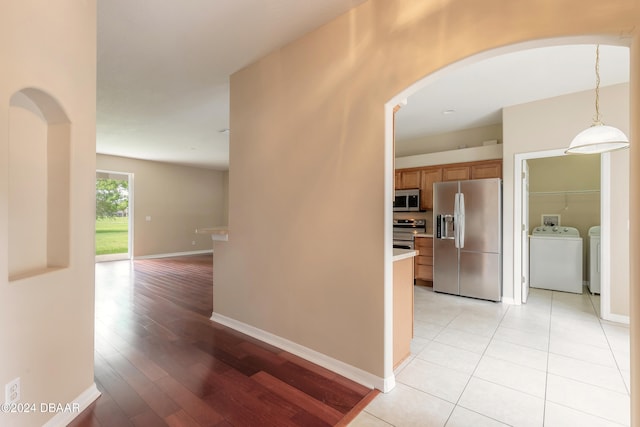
x: 594, y: 259
x: 555, y: 259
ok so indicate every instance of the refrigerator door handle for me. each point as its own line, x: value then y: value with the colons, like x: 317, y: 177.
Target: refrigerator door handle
x: 456, y: 215
x: 461, y: 220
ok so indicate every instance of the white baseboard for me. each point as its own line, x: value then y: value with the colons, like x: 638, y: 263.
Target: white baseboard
x: 388, y: 384
x: 62, y: 419
x: 175, y: 254
x: 355, y: 374
x: 112, y: 257
x: 618, y: 318
x: 508, y: 301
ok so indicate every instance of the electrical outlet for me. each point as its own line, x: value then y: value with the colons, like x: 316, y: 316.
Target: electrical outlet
x: 193, y: 242
x: 12, y: 391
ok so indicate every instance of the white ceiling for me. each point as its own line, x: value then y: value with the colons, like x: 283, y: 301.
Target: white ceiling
x: 478, y: 92
x: 164, y: 67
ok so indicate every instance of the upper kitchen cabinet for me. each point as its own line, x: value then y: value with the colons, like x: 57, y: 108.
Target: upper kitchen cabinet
x: 457, y: 172
x: 472, y: 170
x: 424, y: 177
x: 491, y: 169
x: 407, y: 179
x: 429, y: 176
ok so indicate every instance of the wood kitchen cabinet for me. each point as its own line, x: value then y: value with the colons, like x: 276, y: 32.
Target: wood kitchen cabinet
x: 457, y: 172
x: 428, y: 178
x: 492, y: 169
x: 424, y: 261
x: 472, y: 170
x: 406, y: 179
x: 424, y: 177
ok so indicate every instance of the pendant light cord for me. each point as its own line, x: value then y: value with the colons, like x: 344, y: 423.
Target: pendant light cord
x: 596, y: 119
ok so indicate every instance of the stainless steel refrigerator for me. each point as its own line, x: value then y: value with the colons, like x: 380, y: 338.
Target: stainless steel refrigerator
x: 467, y: 244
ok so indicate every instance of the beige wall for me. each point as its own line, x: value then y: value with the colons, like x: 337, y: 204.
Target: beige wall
x: 619, y: 274
x: 488, y: 152
x: 564, y: 117
x: 448, y: 141
x: 27, y: 201
x: 179, y: 199
x: 47, y: 319
x: 308, y: 148
x: 225, y: 198
x: 634, y: 226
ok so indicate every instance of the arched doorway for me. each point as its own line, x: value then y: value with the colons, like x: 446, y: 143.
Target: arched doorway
x: 512, y: 265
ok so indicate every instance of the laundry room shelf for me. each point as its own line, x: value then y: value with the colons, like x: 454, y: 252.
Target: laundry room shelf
x: 562, y: 193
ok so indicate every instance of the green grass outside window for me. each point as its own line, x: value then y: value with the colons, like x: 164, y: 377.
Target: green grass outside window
x: 112, y: 235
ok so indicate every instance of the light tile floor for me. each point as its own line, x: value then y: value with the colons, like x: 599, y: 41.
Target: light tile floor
x: 551, y: 362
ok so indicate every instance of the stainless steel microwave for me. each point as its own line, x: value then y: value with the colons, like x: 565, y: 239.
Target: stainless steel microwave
x: 407, y: 200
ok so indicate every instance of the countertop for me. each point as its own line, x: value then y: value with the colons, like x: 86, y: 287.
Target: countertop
x: 399, y: 254
x: 217, y: 233
x: 423, y: 235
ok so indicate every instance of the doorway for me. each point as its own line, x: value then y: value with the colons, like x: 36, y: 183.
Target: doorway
x: 561, y: 191
x: 114, y: 213
x: 522, y: 221
x: 520, y: 134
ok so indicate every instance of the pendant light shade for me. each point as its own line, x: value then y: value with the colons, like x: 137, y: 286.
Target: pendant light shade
x: 598, y: 138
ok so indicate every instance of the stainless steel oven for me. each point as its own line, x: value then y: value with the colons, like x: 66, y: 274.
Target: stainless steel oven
x: 404, y: 231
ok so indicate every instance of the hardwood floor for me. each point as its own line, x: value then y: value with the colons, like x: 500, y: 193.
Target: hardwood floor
x: 160, y: 361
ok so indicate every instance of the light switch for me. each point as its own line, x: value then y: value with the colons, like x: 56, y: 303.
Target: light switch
x: 148, y: 218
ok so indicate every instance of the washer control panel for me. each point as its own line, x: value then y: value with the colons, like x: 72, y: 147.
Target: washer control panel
x: 557, y: 231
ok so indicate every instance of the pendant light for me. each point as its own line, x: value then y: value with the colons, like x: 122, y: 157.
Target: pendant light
x: 598, y: 138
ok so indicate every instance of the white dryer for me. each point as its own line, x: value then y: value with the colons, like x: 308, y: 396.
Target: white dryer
x: 555, y: 259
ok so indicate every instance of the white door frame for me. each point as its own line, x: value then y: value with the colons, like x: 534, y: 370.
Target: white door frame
x: 524, y: 185
x: 605, y: 225
x: 130, y: 215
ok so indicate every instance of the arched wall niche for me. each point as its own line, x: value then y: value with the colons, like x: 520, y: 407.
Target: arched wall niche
x: 39, y: 182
